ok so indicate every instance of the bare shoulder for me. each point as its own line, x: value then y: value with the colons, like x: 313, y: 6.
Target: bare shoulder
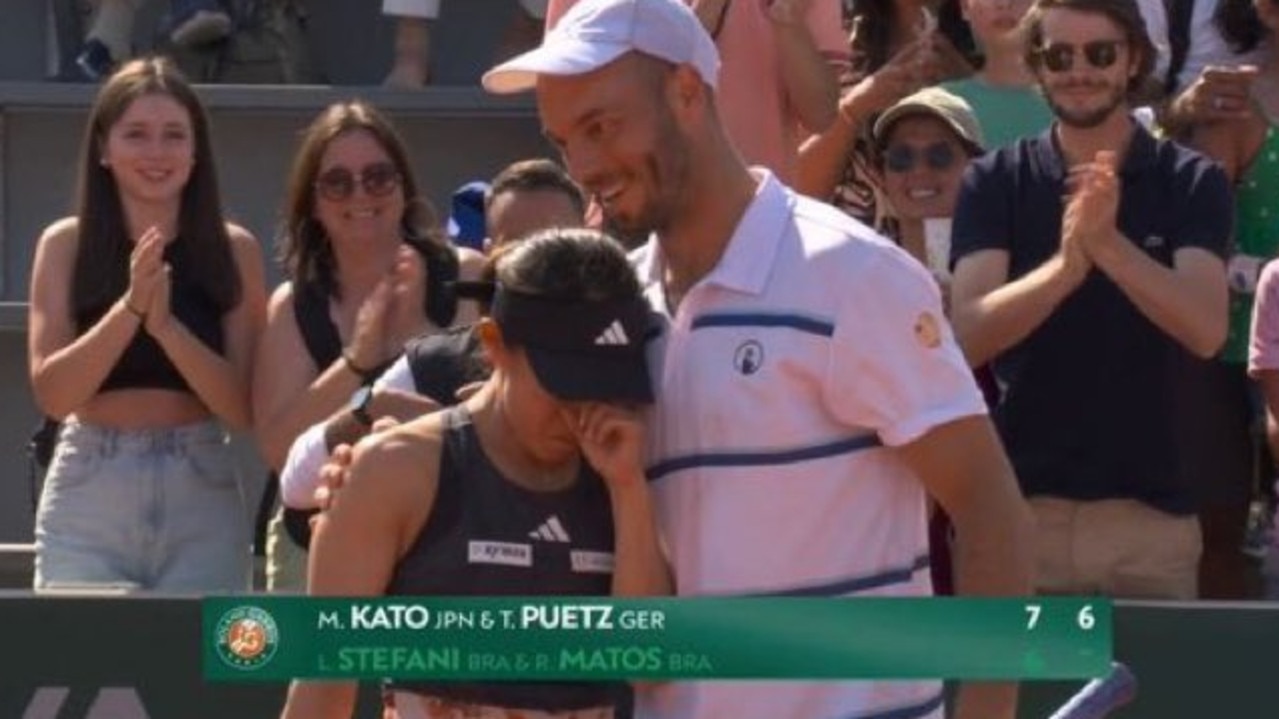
x: 241, y: 238
x: 470, y: 262
x: 281, y: 300
x: 400, y: 465
x: 61, y: 235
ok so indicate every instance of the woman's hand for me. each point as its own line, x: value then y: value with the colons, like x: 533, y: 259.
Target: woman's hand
x: 612, y: 441
x: 158, y: 315
x: 146, y: 263
x: 407, y: 317
x: 368, y: 339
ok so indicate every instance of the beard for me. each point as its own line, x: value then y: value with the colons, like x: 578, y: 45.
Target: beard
x: 665, y: 181
x: 1086, y: 119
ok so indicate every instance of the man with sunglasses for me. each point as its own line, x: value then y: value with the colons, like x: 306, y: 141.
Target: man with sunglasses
x: 1089, y: 267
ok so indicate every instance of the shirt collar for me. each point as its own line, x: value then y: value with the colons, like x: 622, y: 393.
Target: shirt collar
x: 748, y: 258
x: 1139, y: 158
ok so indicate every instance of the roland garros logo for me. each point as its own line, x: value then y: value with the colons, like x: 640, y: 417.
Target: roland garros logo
x: 247, y: 638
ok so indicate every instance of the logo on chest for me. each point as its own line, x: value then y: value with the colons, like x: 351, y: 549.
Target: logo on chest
x: 748, y: 358
x: 552, y: 536
x: 510, y: 554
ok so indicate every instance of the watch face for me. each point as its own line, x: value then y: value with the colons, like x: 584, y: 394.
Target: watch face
x: 360, y: 400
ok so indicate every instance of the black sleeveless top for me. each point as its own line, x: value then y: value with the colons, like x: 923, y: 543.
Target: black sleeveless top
x: 143, y: 364
x: 486, y: 535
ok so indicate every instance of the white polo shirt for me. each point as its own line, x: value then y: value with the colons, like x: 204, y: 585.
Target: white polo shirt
x: 810, y: 346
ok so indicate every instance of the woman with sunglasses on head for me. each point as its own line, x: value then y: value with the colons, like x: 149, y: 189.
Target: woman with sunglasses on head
x: 544, y: 461
x: 144, y: 311
x: 366, y: 271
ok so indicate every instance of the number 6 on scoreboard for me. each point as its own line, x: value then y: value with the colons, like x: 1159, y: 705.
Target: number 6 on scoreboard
x: 1033, y: 611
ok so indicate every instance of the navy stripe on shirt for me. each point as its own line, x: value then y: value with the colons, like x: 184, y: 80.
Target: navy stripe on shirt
x: 852, y: 585
x: 763, y: 458
x: 812, y: 325
x: 907, y: 712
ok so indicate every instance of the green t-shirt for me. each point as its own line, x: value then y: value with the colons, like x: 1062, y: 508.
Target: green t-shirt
x: 1256, y: 241
x: 1005, y: 113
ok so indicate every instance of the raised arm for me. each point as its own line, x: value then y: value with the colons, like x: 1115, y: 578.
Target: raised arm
x: 67, y: 370
x: 823, y: 156
x: 612, y: 440
x: 221, y: 382
x: 989, y: 313
x: 1188, y: 301
x: 807, y: 75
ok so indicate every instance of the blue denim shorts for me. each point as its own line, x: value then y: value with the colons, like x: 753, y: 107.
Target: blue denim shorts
x: 155, y: 510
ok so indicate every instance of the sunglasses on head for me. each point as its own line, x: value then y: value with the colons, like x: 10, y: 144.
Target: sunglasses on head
x: 903, y: 158
x: 338, y: 183
x: 1060, y: 56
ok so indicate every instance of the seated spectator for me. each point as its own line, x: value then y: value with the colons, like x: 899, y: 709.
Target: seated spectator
x: 411, y: 66
x: 898, y: 47
x: 108, y: 42
x: 1002, y: 92
x: 778, y: 76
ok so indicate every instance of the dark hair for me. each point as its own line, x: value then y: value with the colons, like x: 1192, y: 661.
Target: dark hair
x: 876, y: 19
x: 572, y: 264
x: 535, y: 175
x: 305, y: 249
x: 202, y: 247
x: 1239, y: 24
x: 1123, y: 13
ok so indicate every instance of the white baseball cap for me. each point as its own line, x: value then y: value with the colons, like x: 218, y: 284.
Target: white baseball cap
x: 594, y: 33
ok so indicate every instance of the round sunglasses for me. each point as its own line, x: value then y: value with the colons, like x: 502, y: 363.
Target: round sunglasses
x: 1060, y: 56
x: 338, y: 183
x: 903, y: 158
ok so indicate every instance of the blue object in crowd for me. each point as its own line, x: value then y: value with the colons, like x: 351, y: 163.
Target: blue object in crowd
x: 466, y: 218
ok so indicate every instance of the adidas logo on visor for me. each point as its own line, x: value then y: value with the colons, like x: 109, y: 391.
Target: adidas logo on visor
x: 613, y: 335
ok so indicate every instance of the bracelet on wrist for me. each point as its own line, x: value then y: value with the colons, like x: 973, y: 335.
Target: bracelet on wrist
x: 366, y: 374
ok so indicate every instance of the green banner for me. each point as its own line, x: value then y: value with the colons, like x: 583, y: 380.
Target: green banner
x: 537, y: 638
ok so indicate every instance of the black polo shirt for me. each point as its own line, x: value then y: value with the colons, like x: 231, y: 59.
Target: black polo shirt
x: 1091, y: 408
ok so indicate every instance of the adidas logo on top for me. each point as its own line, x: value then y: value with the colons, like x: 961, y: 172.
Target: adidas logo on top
x: 550, y: 531
x: 613, y: 335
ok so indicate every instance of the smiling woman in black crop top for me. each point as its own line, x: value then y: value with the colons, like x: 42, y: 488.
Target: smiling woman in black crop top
x: 543, y: 462
x: 367, y: 269
x: 144, y: 310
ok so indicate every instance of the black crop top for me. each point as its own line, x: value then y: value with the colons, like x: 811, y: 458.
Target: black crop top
x: 143, y: 363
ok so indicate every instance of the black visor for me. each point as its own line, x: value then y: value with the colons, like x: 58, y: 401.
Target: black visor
x: 580, y: 350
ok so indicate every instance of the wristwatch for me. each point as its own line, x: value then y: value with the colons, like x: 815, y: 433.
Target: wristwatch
x: 360, y: 402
